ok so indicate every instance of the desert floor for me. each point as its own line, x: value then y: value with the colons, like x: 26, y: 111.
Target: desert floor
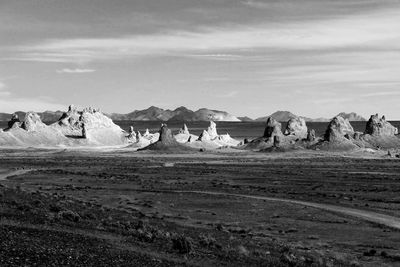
x: 119, y: 208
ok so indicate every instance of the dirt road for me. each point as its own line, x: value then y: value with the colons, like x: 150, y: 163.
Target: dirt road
x: 370, y: 216
x: 4, y: 174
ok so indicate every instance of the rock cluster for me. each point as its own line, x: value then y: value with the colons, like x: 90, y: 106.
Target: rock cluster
x: 338, y: 129
x: 296, y: 126
x: 204, y: 136
x: 14, y: 121
x: 166, y: 141
x: 131, y: 135
x: 311, y: 135
x: 212, y: 130
x: 30, y: 123
x: 377, y: 126
x: 166, y: 136
x: 184, y: 130
x: 273, y: 128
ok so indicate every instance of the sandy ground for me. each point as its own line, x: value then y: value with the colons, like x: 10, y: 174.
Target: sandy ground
x: 227, y: 207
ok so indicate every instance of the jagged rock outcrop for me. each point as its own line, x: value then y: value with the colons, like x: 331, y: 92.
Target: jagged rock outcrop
x: 277, y: 141
x: 166, y: 137
x: 32, y: 132
x: 166, y: 141
x: 337, y: 129
x: 204, y: 136
x: 184, y: 136
x: 184, y: 130
x: 311, y: 135
x: 297, y: 127
x: 210, y: 139
x: 212, y: 130
x: 92, y: 125
x: 32, y: 122
x: 380, y: 127
x: 131, y: 135
x: 14, y: 121
x: 273, y: 128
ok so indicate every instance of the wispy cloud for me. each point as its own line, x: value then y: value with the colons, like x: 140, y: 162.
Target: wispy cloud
x: 11, y: 104
x: 375, y: 30
x: 75, y: 71
x: 256, y: 4
x: 377, y: 94
x: 3, y: 92
x: 228, y: 94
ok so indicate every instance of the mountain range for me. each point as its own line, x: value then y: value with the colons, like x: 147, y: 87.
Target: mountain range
x: 179, y: 114
x: 284, y: 116
x: 184, y: 114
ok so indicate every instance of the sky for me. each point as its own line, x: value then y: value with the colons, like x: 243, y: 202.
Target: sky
x: 315, y: 58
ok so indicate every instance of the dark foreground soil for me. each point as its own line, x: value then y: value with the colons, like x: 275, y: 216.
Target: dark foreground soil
x: 103, y: 209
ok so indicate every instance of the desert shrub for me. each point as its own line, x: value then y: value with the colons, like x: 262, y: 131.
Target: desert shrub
x: 208, y: 241
x: 241, y: 250
x: 370, y: 252
x: 145, y: 235
x: 69, y: 215
x: 54, y: 208
x: 182, y: 243
x: 24, y: 207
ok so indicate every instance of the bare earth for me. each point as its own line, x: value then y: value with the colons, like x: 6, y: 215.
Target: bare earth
x: 114, y: 208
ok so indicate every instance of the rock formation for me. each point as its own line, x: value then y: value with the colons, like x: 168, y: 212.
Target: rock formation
x: 32, y: 122
x: 380, y: 127
x: 272, y: 128
x: 184, y: 136
x: 311, y: 135
x: 84, y: 131
x: 131, y: 135
x: 212, y: 130
x: 166, y: 141
x: 166, y: 137
x: 337, y: 129
x: 277, y: 141
x: 296, y: 126
x: 90, y: 124
x: 204, y: 136
x: 184, y: 130
x: 210, y: 139
x: 14, y: 122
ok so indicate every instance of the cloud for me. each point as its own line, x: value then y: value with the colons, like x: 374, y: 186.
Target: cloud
x: 231, y: 94
x: 255, y: 4
x: 377, y: 94
x: 375, y: 30
x: 3, y: 93
x: 11, y: 104
x: 75, y: 71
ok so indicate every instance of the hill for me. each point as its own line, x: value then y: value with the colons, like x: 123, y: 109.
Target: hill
x: 282, y: 116
x: 179, y: 114
x: 352, y: 116
x: 47, y: 116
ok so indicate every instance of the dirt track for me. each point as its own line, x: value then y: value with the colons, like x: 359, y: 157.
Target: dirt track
x: 320, y: 208
x: 5, y: 175
x: 378, y: 218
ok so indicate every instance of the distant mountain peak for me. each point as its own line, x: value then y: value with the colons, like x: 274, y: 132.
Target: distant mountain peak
x: 352, y: 116
x: 280, y: 115
x: 179, y: 114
